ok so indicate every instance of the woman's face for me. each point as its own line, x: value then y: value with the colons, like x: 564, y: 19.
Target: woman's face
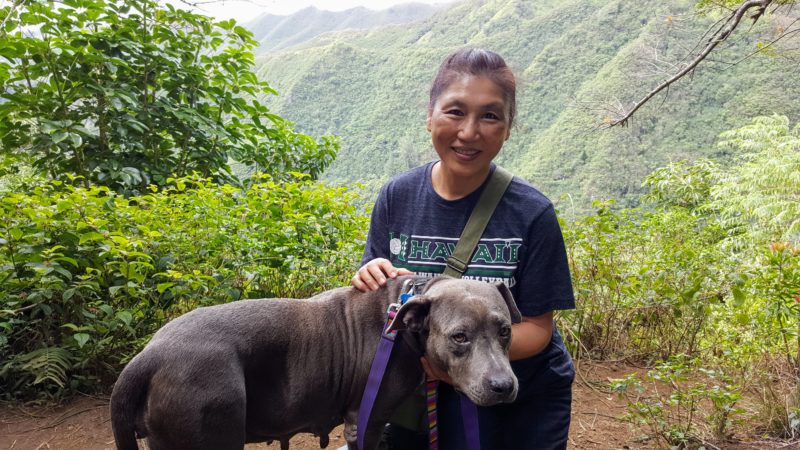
x: 469, y: 124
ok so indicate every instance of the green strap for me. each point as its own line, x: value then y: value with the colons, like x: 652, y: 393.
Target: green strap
x: 457, y: 263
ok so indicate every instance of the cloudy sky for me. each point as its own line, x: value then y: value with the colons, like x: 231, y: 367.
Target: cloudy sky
x: 245, y: 10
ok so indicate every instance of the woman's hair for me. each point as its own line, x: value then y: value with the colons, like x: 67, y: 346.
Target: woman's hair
x: 476, y: 62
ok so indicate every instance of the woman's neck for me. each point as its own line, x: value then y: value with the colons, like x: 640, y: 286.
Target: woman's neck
x: 451, y: 186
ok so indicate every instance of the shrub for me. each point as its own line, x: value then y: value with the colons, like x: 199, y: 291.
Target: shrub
x: 645, y: 282
x: 668, y: 402
x: 86, y: 275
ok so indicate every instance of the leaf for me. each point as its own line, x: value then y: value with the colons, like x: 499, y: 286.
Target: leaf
x: 113, y: 290
x: 46, y: 364
x: 90, y: 237
x: 739, y: 296
x: 125, y: 316
x: 58, y: 136
x: 76, y: 139
x: 161, y: 287
x: 67, y: 260
x: 81, y: 339
x: 108, y: 309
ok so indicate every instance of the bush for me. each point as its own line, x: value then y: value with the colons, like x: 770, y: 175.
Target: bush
x: 86, y: 275
x: 645, y: 283
x: 129, y: 93
x: 684, y: 405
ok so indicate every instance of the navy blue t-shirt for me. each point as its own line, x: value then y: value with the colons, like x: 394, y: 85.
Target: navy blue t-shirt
x: 522, y: 246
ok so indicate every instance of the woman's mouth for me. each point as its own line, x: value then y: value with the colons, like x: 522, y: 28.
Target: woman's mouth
x: 465, y: 154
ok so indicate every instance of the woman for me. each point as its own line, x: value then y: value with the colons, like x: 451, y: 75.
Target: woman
x: 418, y: 218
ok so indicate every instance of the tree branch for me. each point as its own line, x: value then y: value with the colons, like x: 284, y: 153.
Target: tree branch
x: 721, y: 34
x: 786, y: 33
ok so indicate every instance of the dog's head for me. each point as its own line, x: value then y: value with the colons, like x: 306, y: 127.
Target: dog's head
x: 466, y: 326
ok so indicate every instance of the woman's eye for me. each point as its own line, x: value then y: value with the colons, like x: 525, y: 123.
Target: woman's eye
x: 459, y: 338
x: 492, y: 116
x: 455, y: 112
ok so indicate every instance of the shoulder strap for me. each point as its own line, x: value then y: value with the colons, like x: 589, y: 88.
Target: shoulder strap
x: 457, y: 263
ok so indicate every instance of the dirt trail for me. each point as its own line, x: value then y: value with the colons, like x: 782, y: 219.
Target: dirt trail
x: 83, y: 423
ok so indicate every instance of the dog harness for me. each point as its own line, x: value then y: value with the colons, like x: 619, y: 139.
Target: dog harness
x: 469, y: 412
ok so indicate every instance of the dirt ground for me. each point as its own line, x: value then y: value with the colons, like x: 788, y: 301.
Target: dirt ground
x: 83, y: 423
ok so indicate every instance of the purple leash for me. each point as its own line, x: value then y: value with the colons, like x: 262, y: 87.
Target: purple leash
x: 469, y: 412
x: 376, y: 372
x: 469, y: 416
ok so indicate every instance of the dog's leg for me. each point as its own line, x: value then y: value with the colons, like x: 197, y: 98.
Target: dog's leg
x: 350, y: 434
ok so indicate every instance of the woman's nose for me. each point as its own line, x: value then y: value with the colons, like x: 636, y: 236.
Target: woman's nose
x: 469, y: 130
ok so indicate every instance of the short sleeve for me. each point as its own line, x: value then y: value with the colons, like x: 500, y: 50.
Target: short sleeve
x: 377, y: 245
x: 543, y: 278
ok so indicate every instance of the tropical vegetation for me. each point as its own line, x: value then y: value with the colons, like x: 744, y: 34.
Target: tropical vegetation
x: 142, y: 176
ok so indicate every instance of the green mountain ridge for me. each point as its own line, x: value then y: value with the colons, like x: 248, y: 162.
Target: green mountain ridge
x: 275, y: 32
x: 574, y: 58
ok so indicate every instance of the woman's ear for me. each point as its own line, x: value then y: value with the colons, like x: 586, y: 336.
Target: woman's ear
x: 428, y: 122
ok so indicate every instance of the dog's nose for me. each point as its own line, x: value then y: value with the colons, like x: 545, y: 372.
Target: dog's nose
x: 501, y: 385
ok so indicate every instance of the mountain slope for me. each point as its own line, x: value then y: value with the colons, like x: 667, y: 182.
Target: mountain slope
x: 278, y: 32
x: 571, y: 56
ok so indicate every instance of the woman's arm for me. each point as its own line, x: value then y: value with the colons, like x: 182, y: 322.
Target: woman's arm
x: 530, y: 336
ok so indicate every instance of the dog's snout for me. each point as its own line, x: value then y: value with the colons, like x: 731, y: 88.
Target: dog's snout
x: 501, y: 385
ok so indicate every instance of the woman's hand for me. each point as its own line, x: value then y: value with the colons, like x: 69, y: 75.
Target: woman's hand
x: 373, y: 274
x: 433, y: 373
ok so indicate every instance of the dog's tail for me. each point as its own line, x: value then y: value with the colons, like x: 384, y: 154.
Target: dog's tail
x: 127, y: 401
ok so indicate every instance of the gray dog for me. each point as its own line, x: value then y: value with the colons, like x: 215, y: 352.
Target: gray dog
x: 263, y: 370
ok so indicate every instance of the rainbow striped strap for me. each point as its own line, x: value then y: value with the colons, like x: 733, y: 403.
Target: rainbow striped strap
x: 433, y: 422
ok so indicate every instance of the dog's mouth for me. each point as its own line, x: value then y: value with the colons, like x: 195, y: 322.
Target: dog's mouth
x: 487, y: 397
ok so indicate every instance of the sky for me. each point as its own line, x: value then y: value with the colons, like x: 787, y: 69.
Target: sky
x: 246, y: 10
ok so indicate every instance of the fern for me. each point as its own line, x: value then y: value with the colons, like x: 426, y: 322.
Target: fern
x: 48, y: 364
x: 761, y: 194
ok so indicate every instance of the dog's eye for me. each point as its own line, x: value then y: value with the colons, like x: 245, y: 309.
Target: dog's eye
x: 459, y: 338
x: 505, y: 332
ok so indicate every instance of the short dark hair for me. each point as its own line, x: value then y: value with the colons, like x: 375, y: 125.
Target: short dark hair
x: 476, y: 62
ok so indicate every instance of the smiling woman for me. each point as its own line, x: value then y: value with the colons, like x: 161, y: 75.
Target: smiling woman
x: 416, y: 223
x: 468, y: 124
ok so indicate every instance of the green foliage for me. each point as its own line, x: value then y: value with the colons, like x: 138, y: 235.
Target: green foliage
x: 651, y: 281
x: 708, y: 273
x: 645, y: 282
x: 128, y: 93
x: 681, y: 184
x: 86, y: 275
x: 670, y: 408
x: 758, y: 197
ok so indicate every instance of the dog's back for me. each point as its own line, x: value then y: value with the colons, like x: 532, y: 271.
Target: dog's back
x: 231, y: 358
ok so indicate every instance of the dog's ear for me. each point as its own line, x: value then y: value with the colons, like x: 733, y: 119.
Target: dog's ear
x: 434, y: 280
x: 516, y: 317
x: 412, y: 314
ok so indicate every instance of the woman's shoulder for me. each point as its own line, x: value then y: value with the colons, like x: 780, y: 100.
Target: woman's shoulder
x: 410, y: 179
x: 522, y: 193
